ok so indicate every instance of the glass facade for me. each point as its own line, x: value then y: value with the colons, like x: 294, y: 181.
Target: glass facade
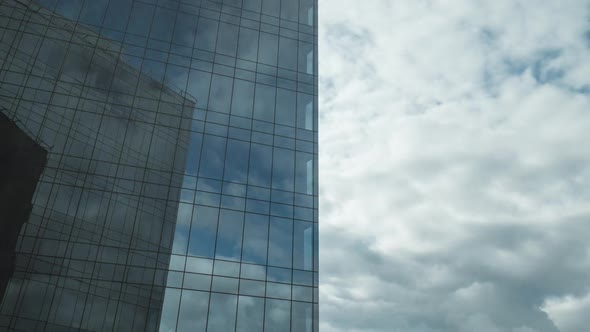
x: 159, y: 165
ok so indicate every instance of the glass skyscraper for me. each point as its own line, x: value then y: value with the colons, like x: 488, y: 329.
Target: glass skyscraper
x: 158, y: 165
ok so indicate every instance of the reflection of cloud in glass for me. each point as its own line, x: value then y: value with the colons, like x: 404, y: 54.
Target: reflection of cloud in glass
x: 252, y: 287
x: 259, y: 173
x: 283, y: 169
x: 229, y: 235
x: 203, y: 231
x: 279, y: 291
x: 243, y: 98
x: 278, y: 274
x: 212, y: 157
x: 280, y: 242
x: 250, y: 314
x: 222, y: 313
x: 199, y: 265
x: 255, y: 238
x: 169, y: 310
x: 185, y: 29
x: 277, y: 315
x: 236, y: 169
x: 225, y: 268
x: 193, y: 311
x: 251, y: 271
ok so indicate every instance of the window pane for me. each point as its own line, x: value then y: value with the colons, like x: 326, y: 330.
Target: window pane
x: 253, y: 5
x: 278, y: 274
x: 251, y: 287
x: 203, y: 231
x: 140, y: 19
x: 191, y: 166
x: 181, y: 233
x: 282, y: 169
x: 236, y: 168
x: 69, y: 8
x: 280, y: 245
x: 76, y: 62
x: 250, y: 314
x: 176, y: 77
x: 229, y: 235
x: 52, y: 54
x: 286, y: 107
x: 315, y: 247
x: 185, y: 29
x: 305, y: 57
x: 278, y: 316
x: 306, y: 12
x: 212, y: 157
x: 304, y: 173
x: 260, y: 165
x: 198, y: 87
x: 225, y: 285
x: 49, y: 4
x: 316, y: 317
x: 288, y: 53
x: 199, y: 265
x: 228, y: 39
x: 117, y: 14
x: 255, y: 238
x: 302, y: 278
x: 155, y: 70
x: 197, y: 281
x: 163, y: 25
x: 309, y: 63
x: 301, y: 320
x: 278, y: 291
x: 303, y: 245
x: 235, y: 3
x: 243, y: 98
x: 271, y: 7
x: 268, y: 49
x: 193, y: 311
x: 220, y: 95
x: 93, y: 12
x: 206, y: 35
x: 304, y: 111
x: 229, y: 269
x: 290, y: 10
x: 248, y: 45
x: 222, y: 313
x: 264, y: 104
x: 170, y: 309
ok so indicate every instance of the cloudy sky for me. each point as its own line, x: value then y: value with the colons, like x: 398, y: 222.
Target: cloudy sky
x: 455, y: 166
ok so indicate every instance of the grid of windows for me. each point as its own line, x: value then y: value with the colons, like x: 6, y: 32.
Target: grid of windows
x: 180, y: 192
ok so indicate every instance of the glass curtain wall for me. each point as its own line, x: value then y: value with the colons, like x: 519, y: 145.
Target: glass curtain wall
x: 180, y: 186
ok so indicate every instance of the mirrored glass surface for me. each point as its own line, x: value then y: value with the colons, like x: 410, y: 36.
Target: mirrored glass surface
x: 170, y: 182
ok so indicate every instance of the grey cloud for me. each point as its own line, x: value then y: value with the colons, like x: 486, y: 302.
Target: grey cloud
x: 470, y: 214
x: 482, y: 287
x: 569, y: 313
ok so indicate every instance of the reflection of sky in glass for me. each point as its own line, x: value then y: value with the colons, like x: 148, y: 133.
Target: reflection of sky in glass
x: 238, y: 215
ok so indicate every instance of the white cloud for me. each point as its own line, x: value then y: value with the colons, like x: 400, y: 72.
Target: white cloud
x: 452, y: 157
x: 569, y: 313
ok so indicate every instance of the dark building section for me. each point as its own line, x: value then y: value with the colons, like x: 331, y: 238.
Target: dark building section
x: 94, y: 252
x: 21, y: 163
